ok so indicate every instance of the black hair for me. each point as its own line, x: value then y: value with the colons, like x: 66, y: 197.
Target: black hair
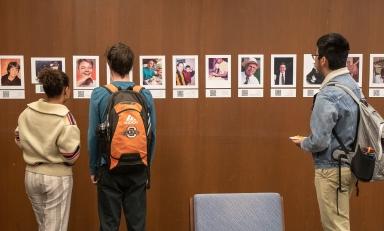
x: 13, y: 64
x: 54, y: 81
x: 120, y: 58
x: 334, y: 47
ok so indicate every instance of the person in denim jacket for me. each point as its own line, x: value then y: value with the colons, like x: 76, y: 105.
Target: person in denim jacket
x: 333, y: 109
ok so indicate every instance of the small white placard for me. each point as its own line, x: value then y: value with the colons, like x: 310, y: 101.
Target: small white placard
x: 157, y: 94
x: 82, y: 94
x: 218, y: 93
x: 250, y: 92
x: 310, y: 92
x: 283, y: 92
x: 39, y: 88
x: 183, y: 93
x: 376, y: 92
x: 12, y: 94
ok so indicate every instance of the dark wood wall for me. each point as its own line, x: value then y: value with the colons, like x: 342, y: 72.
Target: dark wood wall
x: 204, y: 145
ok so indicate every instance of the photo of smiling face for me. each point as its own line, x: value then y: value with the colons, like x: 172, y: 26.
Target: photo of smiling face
x: 180, y: 67
x: 13, y: 72
x: 11, y: 76
x: 85, y: 73
x: 85, y: 69
x: 184, y: 71
x: 250, y: 69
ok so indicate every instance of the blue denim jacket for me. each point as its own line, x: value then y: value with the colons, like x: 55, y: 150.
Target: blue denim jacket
x: 333, y: 108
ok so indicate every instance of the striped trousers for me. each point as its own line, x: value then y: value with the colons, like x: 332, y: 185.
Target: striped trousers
x: 51, y: 199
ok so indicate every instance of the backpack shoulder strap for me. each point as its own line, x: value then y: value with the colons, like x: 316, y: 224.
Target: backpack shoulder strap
x: 137, y: 88
x: 346, y: 89
x: 111, y: 88
x: 358, y: 102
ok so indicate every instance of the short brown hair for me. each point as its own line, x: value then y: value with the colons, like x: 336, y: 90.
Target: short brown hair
x: 120, y: 58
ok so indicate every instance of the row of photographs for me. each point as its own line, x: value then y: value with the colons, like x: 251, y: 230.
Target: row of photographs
x: 185, y: 71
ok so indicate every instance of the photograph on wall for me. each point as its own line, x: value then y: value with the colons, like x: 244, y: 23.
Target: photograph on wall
x: 85, y: 72
x: 250, y: 75
x: 283, y: 70
x: 250, y: 71
x: 39, y: 63
x: 152, y: 72
x: 376, y: 73
x: 185, y: 71
x: 218, y: 71
x: 218, y: 75
x: 85, y: 75
x: 12, y: 77
x: 12, y: 72
x: 354, y: 65
x: 283, y: 75
x: 312, y: 77
x: 185, y: 76
x: 109, y: 76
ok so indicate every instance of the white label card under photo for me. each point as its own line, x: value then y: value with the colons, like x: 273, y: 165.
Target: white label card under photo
x: 379, y: 92
x: 250, y: 92
x: 12, y: 94
x: 310, y: 92
x: 157, y: 94
x: 218, y: 93
x: 283, y: 92
x: 39, y: 89
x: 82, y: 94
x: 188, y: 94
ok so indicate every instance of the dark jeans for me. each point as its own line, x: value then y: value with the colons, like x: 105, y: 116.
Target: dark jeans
x: 127, y: 191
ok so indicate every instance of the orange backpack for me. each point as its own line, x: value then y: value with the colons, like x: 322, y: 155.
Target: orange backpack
x: 126, y: 130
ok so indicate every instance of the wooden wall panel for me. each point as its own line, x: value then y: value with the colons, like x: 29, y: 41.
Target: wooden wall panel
x: 204, y: 145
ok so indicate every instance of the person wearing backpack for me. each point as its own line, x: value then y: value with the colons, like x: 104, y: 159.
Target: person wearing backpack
x: 334, y: 112
x: 121, y: 181
x: 50, y: 140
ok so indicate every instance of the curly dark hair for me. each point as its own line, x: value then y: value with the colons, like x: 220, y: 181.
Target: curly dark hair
x: 53, y: 81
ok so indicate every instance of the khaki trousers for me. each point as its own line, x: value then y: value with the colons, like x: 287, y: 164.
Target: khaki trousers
x: 326, y: 183
x: 51, y: 199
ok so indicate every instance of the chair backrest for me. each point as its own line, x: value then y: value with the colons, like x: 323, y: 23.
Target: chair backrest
x: 237, y: 212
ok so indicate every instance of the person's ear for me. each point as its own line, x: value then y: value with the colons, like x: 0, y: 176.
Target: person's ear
x: 323, y: 61
x: 66, y: 92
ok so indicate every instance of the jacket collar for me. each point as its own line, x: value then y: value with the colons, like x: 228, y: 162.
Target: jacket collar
x: 333, y: 74
x: 49, y: 108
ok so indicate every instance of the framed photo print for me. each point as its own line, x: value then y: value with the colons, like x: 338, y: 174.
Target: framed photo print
x: 39, y: 63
